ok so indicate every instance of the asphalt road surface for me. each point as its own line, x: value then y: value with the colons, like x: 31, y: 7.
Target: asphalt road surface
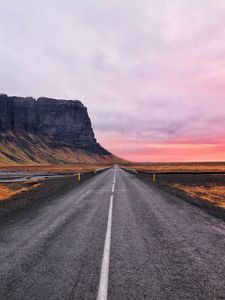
x: 113, y: 237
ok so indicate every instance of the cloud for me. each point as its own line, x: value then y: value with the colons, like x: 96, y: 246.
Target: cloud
x: 151, y: 70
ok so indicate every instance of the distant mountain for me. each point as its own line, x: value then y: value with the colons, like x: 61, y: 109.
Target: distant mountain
x: 46, y: 130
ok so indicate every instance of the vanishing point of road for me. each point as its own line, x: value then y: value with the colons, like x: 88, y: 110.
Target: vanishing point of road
x: 113, y: 237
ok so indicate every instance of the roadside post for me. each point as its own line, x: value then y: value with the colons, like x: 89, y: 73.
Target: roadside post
x: 78, y: 177
x: 153, y: 177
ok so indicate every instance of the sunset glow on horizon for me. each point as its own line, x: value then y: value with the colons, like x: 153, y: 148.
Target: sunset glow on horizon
x: 174, y: 151
x: 151, y: 73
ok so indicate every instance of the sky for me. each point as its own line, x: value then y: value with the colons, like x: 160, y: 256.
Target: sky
x: 151, y: 72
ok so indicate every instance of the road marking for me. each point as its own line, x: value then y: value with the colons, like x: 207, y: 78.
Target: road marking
x: 103, y: 284
x: 114, y: 177
x: 104, y: 278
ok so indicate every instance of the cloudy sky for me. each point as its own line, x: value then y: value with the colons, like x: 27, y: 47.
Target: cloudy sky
x: 151, y: 72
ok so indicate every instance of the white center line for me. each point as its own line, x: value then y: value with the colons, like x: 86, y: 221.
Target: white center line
x: 103, y: 285
x: 114, y: 178
x: 104, y: 278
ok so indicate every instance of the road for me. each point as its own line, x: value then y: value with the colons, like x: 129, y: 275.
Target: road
x: 113, y: 237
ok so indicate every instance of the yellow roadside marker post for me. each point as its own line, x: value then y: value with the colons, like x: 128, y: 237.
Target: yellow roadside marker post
x: 153, y: 177
x: 78, y: 177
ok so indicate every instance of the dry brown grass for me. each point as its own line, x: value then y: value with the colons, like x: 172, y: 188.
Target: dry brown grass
x: 53, y: 168
x: 179, y: 167
x: 7, y: 191
x: 213, y: 193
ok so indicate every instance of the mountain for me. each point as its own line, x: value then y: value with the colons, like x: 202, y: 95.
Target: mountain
x: 46, y: 130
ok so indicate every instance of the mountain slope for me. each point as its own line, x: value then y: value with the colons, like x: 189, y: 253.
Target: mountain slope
x: 47, y: 131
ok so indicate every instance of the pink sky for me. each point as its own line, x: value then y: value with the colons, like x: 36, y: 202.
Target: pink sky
x: 173, y: 150
x: 151, y: 72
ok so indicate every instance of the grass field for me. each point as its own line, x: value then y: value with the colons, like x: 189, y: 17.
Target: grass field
x: 213, y: 193
x: 208, y: 188
x: 178, y: 167
x: 59, y: 169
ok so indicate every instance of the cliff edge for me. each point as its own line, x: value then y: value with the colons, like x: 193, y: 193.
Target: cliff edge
x: 47, y: 130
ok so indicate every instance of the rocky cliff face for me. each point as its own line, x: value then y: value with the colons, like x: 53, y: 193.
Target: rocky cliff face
x: 55, y: 123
